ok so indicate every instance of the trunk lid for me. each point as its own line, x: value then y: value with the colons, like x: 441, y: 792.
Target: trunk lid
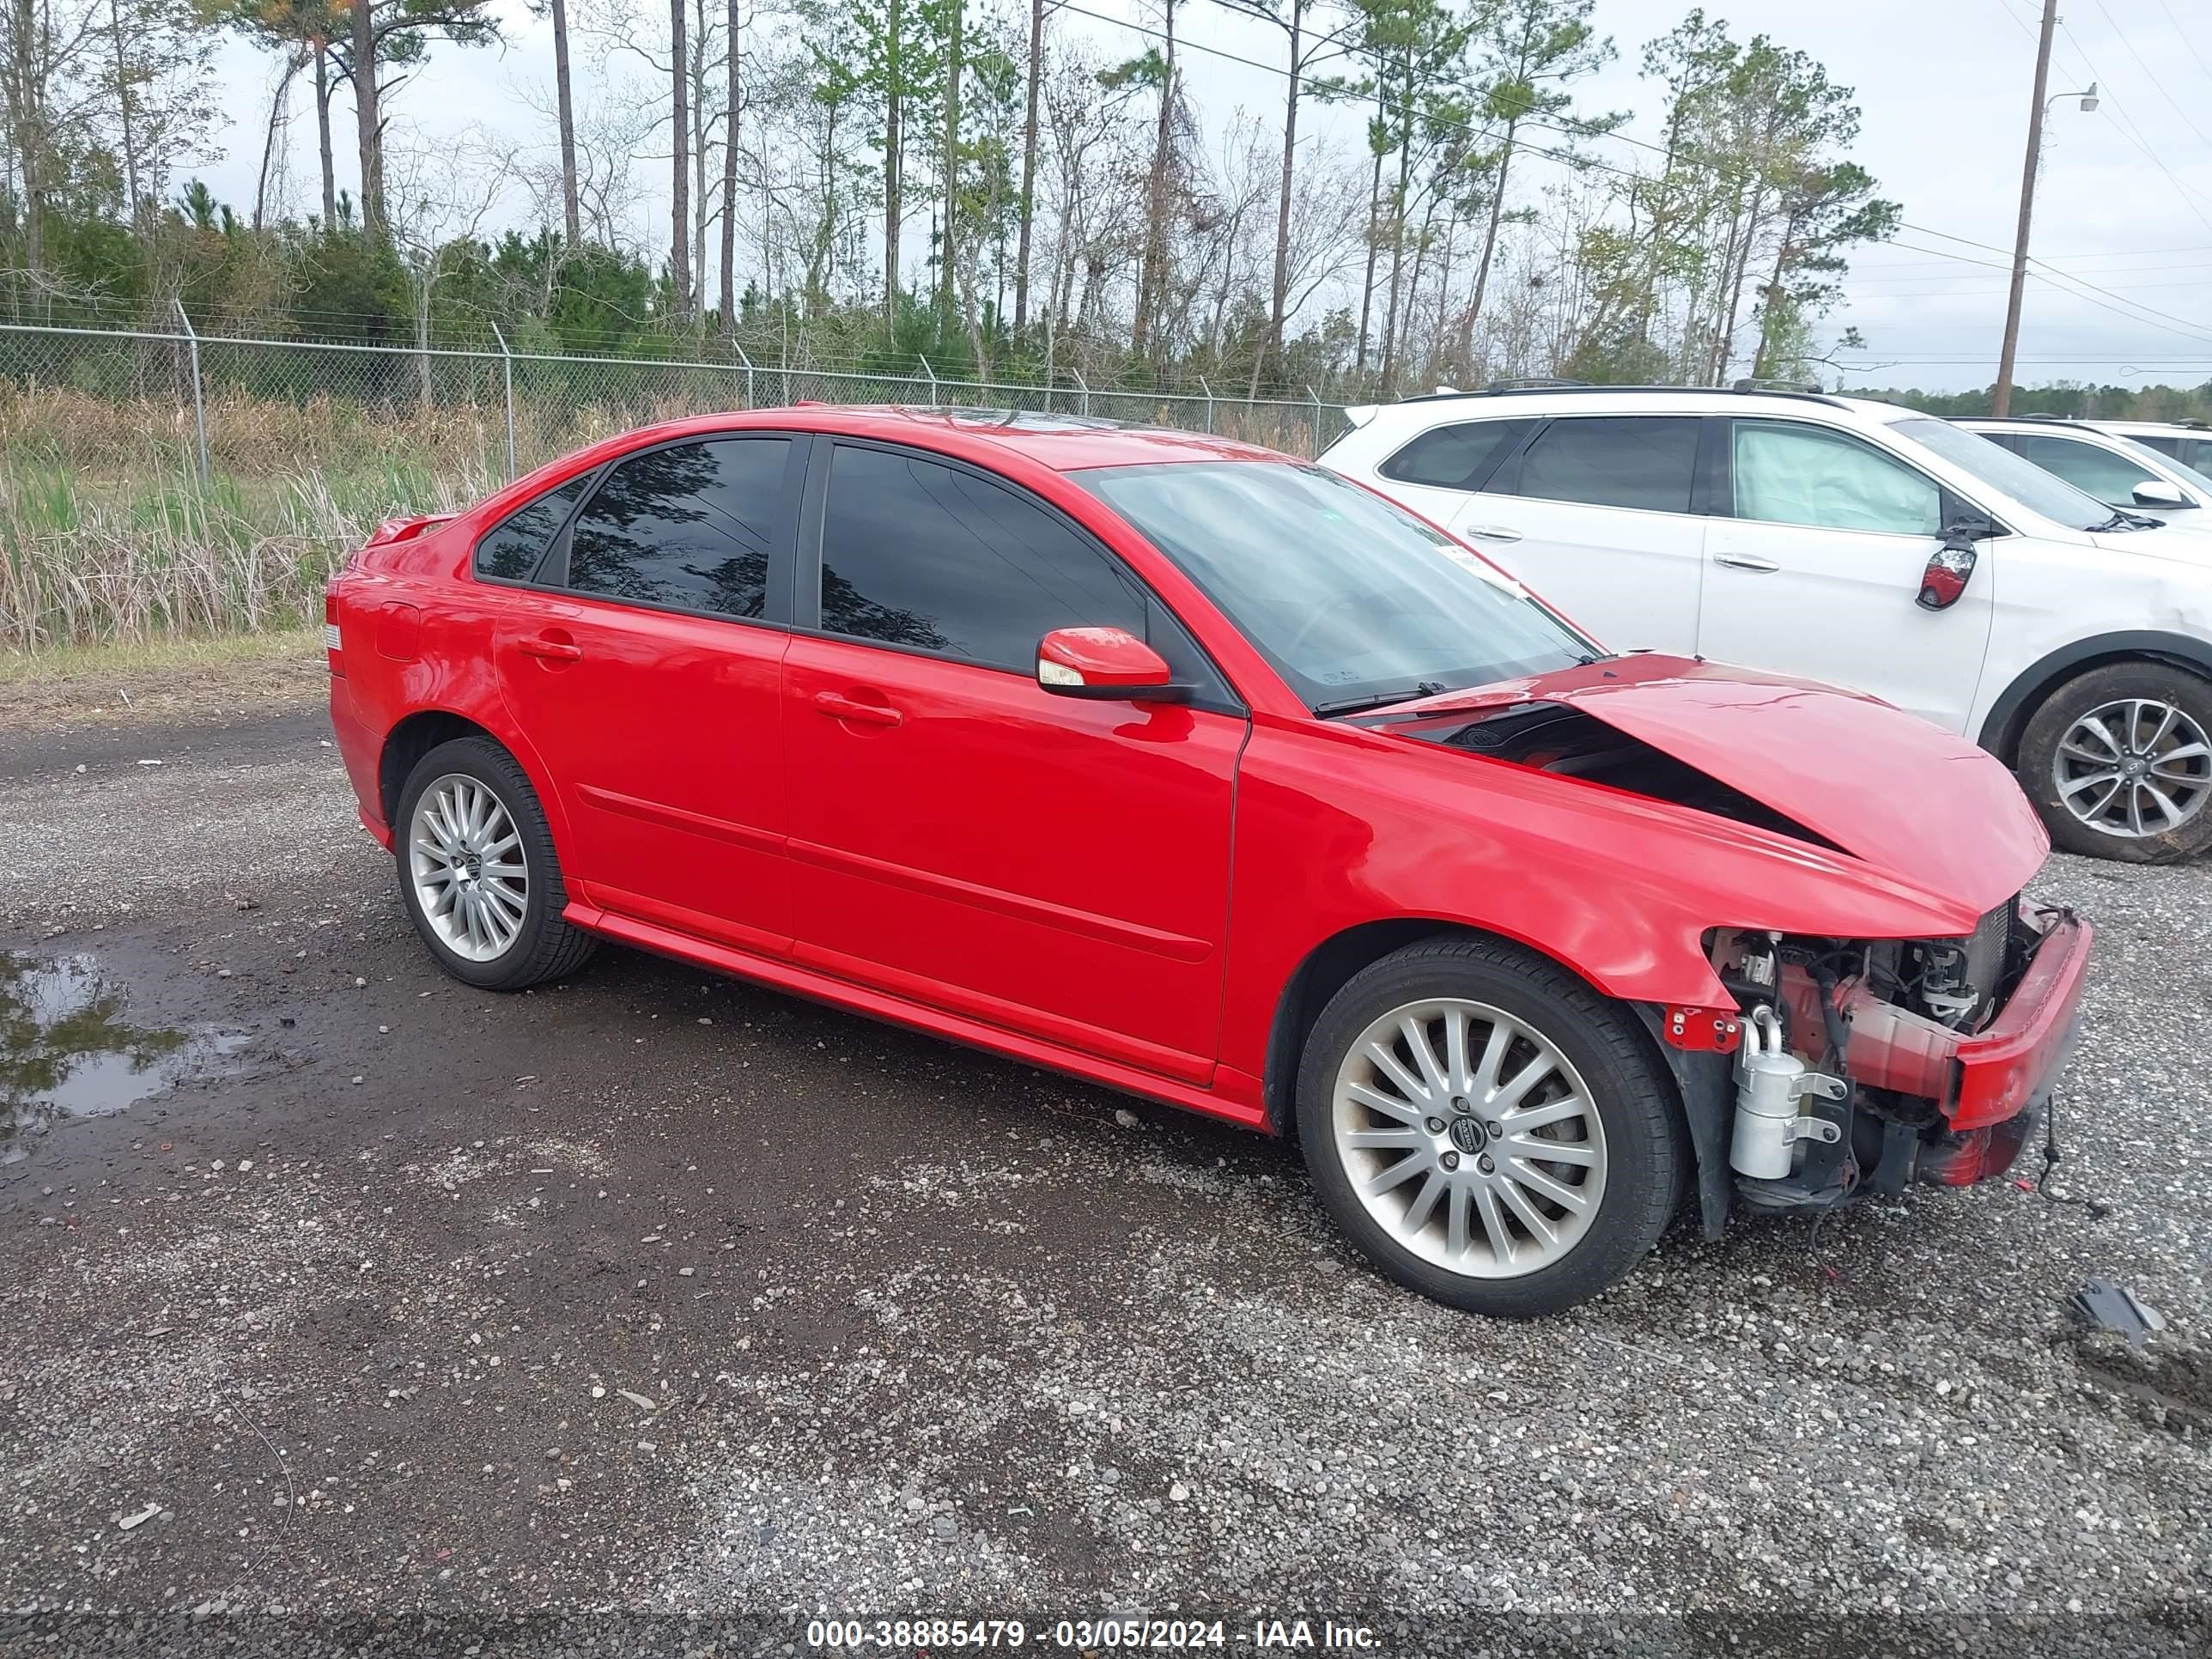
x: 1886, y: 786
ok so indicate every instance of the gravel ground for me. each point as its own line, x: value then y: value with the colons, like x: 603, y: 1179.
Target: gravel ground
x: 653, y: 1295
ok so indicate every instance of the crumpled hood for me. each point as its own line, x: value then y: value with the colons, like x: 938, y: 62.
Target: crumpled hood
x: 1884, y: 786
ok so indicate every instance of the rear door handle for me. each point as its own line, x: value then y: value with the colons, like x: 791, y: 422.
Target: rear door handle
x: 1745, y: 561
x: 551, y: 650
x: 1491, y: 532
x: 841, y: 707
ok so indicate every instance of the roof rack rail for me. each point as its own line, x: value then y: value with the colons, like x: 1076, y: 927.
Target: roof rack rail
x: 1538, y: 387
x: 1536, y: 382
x: 2195, y: 426
x: 2040, y: 420
x: 1767, y: 383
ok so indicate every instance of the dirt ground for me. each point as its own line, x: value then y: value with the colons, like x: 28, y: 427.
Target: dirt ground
x: 334, y: 1290
x: 117, y: 689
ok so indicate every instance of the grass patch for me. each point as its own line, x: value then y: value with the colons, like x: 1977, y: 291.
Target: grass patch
x: 130, y: 659
x: 120, y: 683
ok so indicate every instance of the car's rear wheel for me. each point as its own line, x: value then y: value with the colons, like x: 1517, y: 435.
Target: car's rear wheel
x: 2118, y: 762
x: 1487, y: 1129
x: 477, y: 871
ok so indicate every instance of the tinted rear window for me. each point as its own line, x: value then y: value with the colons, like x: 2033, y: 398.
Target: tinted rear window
x: 1459, y: 456
x: 691, y: 526
x: 510, y: 550
x: 1644, y: 461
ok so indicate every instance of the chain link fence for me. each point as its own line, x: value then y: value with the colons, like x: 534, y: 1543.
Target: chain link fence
x: 101, y: 402
x: 155, y: 484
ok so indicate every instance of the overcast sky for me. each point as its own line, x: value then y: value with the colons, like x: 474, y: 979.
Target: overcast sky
x: 2125, y: 205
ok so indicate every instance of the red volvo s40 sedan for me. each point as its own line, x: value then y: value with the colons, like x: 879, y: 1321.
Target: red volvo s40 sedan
x: 1203, y: 773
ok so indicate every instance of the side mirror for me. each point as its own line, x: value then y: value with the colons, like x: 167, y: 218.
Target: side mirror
x: 2165, y: 497
x: 1949, y: 566
x: 1105, y: 665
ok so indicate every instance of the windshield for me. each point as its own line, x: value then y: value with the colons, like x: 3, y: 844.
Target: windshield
x: 1998, y: 467
x: 1355, y: 602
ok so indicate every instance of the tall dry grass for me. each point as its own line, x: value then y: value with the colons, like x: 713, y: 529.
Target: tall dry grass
x: 107, y: 532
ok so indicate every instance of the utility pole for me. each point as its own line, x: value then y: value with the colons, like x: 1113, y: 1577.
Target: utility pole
x: 2000, y: 399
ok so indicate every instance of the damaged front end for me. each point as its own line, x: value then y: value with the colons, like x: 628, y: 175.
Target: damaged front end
x: 1836, y: 1064
x: 1854, y: 1065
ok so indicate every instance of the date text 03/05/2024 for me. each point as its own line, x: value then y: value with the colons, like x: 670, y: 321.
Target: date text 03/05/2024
x: 1087, y: 1635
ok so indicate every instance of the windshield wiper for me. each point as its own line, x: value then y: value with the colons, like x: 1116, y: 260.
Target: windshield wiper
x: 1380, y: 698
x: 2120, y: 520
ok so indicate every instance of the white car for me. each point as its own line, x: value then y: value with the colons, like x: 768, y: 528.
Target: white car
x: 2187, y: 442
x: 2118, y: 469
x: 1851, y: 541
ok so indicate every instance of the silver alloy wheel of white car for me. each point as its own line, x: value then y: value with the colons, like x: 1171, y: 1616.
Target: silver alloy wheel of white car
x: 1469, y: 1138
x: 469, y: 871
x: 2133, y: 768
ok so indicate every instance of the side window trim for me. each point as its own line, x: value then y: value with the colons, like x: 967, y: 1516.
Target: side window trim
x: 1505, y: 477
x: 1712, y: 477
x: 552, y: 568
x: 552, y: 573
x: 1220, y: 696
x: 535, y: 574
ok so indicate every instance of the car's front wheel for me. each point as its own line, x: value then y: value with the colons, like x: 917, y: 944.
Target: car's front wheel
x: 1487, y: 1129
x: 2118, y: 762
x: 477, y: 871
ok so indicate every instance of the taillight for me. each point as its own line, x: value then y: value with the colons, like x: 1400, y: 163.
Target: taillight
x: 332, y: 638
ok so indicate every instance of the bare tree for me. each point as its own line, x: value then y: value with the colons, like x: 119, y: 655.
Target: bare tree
x: 734, y: 58
x: 442, y: 194
x: 572, y: 218
x: 1033, y: 82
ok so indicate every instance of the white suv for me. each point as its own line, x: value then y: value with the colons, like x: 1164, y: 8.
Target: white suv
x: 2116, y: 468
x: 2187, y: 442
x: 1851, y: 541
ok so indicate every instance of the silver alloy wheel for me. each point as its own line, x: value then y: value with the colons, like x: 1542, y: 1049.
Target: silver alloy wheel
x: 2133, y: 768
x: 1469, y: 1138
x: 466, y: 858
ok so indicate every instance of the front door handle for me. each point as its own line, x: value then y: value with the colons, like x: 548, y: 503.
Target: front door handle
x: 1745, y: 561
x: 551, y: 649
x: 840, y: 707
x: 1492, y: 532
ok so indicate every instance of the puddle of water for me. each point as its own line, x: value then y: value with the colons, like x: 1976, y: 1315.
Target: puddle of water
x: 68, y: 1050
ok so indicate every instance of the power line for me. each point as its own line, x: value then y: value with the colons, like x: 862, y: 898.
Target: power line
x: 2182, y: 35
x: 2065, y: 283
x: 2126, y: 125
x: 1587, y: 131
x: 2129, y: 46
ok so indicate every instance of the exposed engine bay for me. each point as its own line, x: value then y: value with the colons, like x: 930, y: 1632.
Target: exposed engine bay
x: 1842, y: 1064
x: 1845, y: 1070
x: 1554, y: 738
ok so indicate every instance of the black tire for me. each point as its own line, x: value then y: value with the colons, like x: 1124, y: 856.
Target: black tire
x: 2056, y: 716
x: 1645, y: 1140
x: 544, y: 946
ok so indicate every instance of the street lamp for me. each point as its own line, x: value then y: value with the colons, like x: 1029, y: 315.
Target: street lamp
x: 2001, y: 395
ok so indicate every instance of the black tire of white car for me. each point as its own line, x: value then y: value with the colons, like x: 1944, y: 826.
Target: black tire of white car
x: 543, y: 946
x: 1636, y: 1143
x: 2056, y: 720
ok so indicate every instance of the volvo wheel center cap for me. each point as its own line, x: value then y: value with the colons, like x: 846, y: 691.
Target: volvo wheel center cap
x: 1467, y: 1133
